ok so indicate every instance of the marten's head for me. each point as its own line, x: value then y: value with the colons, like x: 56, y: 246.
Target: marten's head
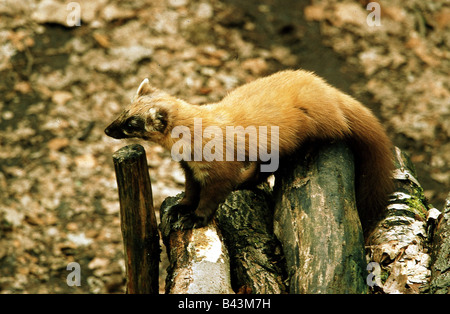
x: 147, y: 117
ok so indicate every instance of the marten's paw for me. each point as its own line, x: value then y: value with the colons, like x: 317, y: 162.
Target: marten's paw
x: 182, y: 217
x: 177, y: 211
x: 191, y: 221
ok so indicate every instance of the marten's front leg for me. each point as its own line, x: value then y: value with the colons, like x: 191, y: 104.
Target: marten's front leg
x: 211, y: 196
x: 191, y: 196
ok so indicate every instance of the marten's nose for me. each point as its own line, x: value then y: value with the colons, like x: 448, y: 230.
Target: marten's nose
x: 114, y: 131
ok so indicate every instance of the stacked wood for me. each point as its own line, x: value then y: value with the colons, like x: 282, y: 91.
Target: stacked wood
x: 303, y: 237
x: 316, y: 222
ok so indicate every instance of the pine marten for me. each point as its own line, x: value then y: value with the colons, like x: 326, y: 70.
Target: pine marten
x: 296, y: 105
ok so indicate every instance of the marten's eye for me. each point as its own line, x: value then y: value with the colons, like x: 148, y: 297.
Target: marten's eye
x: 134, y: 124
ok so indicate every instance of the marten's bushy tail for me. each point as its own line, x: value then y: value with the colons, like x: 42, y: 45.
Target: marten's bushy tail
x: 373, y: 166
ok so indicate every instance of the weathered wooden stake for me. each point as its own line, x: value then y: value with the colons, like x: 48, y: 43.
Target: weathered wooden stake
x: 138, y: 221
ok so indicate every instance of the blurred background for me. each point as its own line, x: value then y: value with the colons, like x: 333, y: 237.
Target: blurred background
x: 63, y: 79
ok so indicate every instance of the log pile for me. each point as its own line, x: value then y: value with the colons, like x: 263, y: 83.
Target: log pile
x: 302, y: 236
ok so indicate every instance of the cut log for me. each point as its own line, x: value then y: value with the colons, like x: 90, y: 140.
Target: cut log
x: 398, y: 245
x: 246, y: 222
x: 317, y: 222
x: 138, y: 221
x: 199, y: 261
x: 440, y: 266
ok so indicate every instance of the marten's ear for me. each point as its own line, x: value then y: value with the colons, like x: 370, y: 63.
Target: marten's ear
x: 145, y: 88
x: 157, y: 119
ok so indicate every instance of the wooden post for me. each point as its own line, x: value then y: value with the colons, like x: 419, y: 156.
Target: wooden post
x: 317, y: 222
x: 138, y: 221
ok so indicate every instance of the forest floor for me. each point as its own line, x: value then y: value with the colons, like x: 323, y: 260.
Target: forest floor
x: 62, y: 84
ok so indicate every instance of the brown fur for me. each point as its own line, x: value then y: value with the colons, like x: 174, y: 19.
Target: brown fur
x: 302, y: 105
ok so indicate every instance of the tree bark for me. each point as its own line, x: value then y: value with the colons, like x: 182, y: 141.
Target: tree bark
x: 398, y: 245
x: 440, y: 266
x: 317, y: 222
x: 246, y: 221
x: 199, y: 261
x: 138, y: 221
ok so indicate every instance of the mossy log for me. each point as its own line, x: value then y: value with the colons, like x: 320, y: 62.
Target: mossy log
x: 317, y: 222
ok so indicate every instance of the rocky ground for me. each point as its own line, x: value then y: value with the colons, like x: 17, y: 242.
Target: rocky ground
x: 61, y: 84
